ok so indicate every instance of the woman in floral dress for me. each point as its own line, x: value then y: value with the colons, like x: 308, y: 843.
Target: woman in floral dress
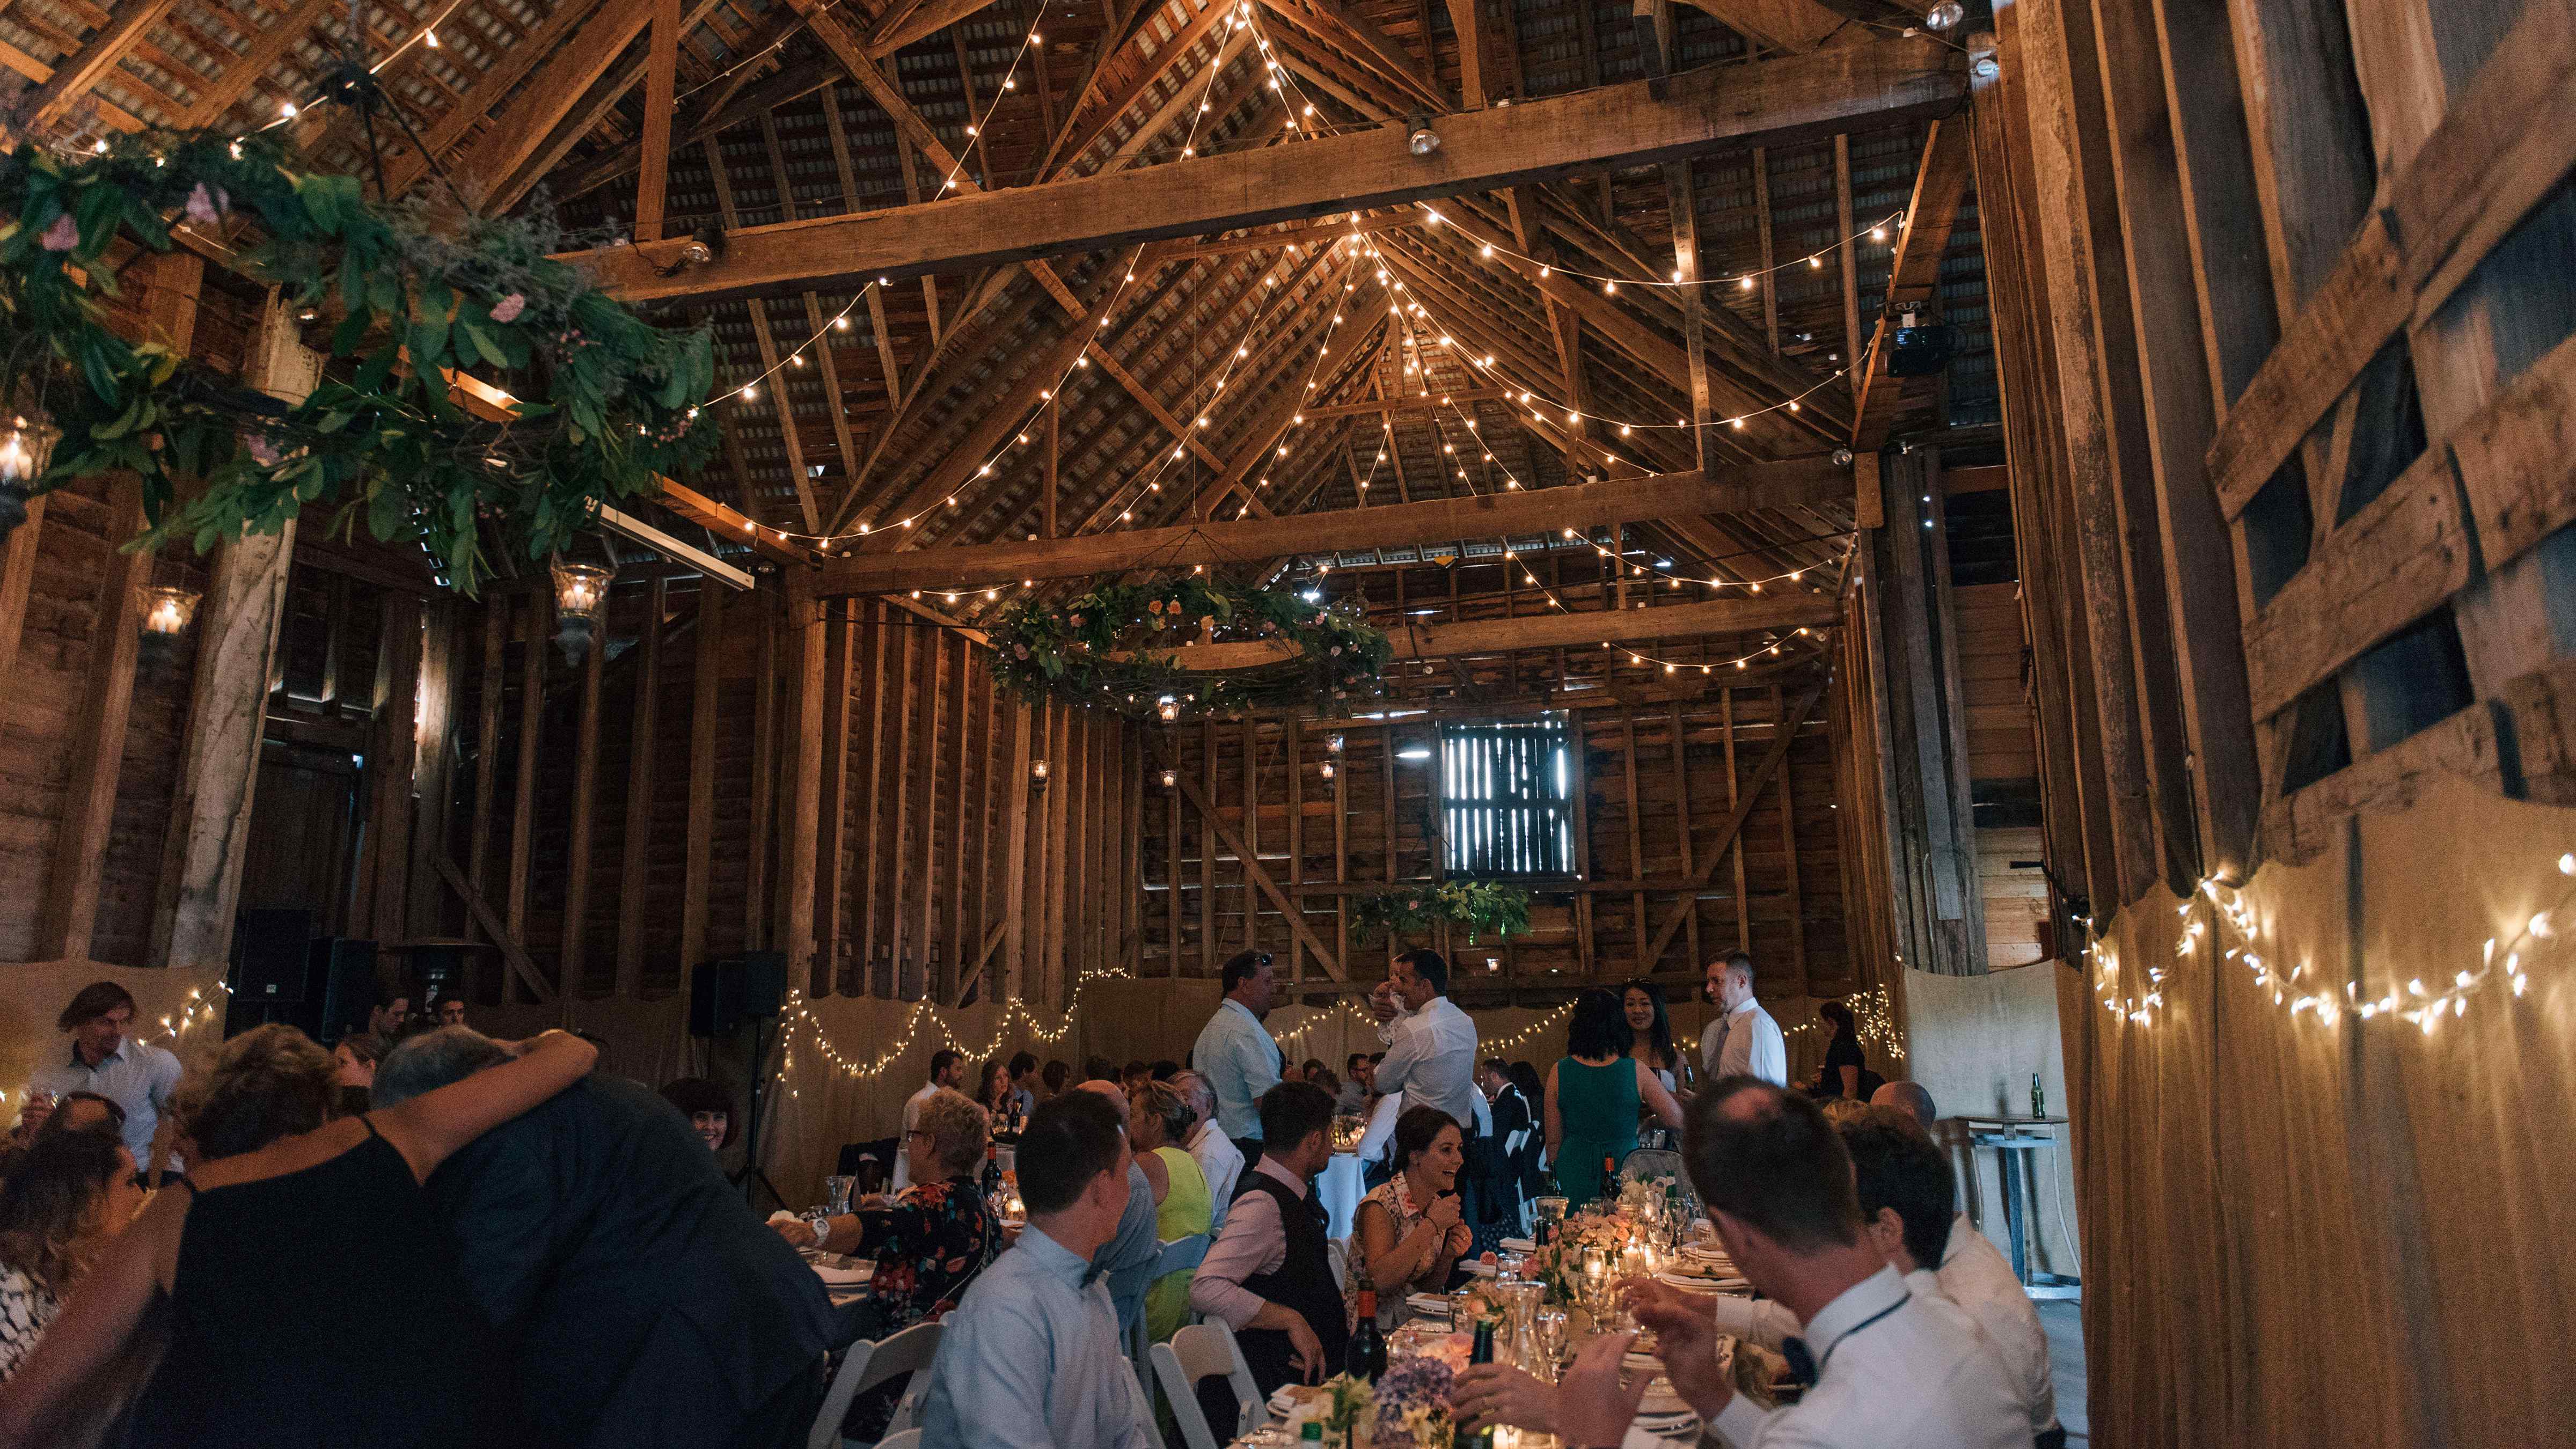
x: 1408, y: 1235
x: 929, y: 1241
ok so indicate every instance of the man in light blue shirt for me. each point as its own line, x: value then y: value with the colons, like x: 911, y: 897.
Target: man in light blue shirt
x: 1032, y: 1355
x: 106, y: 1059
x: 1131, y: 1253
x: 1234, y: 1053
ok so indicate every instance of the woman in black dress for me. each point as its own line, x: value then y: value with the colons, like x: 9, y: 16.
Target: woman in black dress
x: 287, y: 1201
x: 1846, y: 1072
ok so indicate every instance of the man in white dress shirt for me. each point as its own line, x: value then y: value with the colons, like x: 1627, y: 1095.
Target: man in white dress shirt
x: 1743, y: 1041
x: 1430, y: 1043
x: 1236, y: 1053
x: 947, y: 1069
x: 1892, y: 1366
x: 1219, y: 1160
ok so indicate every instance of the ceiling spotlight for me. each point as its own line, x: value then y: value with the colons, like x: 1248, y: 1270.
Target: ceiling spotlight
x: 1420, y: 139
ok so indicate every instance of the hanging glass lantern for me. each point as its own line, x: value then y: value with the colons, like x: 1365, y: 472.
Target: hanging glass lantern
x: 1325, y: 769
x: 26, y: 448
x: 1171, y: 778
x: 1168, y: 708
x: 581, y: 607
x: 167, y: 612
x: 1038, y: 774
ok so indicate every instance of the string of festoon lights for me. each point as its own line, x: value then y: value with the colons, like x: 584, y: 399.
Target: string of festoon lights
x: 1873, y: 1020
x: 1050, y: 396
x: 798, y: 1013
x: 2503, y: 961
x: 1485, y: 1046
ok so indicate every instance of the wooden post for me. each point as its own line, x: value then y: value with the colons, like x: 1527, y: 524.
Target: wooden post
x: 69, y: 912
x: 433, y: 771
x: 953, y: 962
x: 523, y: 795
x: 699, y: 869
x: 758, y: 926
x: 925, y: 845
x: 227, y: 710
x: 573, y: 943
x: 1579, y: 742
x: 635, y: 851
x: 840, y: 646
x: 487, y: 756
x: 1015, y: 858
x: 804, y: 788
x: 1636, y: 838
x: 874, y: 850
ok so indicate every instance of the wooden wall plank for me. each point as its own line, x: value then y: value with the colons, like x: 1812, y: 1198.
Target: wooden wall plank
x: 68, y: 914
x: 635, y: 849
x: 698, y: 866
x: 574, y: 940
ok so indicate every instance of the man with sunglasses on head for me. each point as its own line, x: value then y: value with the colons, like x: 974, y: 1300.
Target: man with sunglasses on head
x: 1236, y: 1054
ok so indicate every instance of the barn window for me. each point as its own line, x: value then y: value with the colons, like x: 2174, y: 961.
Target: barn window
x: 1506, y: 793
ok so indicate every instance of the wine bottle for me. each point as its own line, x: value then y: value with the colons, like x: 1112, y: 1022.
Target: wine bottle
x: 1366, y: 1357
x: 1609, y: 1178
x: 2038, y: 1098
x: 992, y: 1179
x: 1481, y: 1352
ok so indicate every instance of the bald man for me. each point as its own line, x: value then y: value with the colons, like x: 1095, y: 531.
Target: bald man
x: 1907, y: 1097
x: 1128, y: 1258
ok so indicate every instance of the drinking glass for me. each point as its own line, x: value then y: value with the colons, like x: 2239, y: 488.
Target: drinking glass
x: 836, y: 1195
x: 1551, y: 1344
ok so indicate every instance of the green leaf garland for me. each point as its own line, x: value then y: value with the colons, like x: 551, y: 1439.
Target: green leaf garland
x: 606, y: 400
x: 1485, y: 908
x: 1111, y: 648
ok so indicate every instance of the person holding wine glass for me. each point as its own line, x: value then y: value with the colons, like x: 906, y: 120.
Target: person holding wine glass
x: 1593, y: 1094
x: 1410, y: 1230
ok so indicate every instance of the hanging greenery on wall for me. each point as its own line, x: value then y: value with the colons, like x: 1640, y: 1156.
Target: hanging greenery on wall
x: 1485, y: 908
x: 1111, y: 648
x: 606, y: 402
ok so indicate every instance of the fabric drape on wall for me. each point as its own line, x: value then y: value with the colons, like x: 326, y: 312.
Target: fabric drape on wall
x: 2303, y: 1234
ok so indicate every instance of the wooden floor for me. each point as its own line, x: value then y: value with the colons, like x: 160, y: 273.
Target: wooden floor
x: 2064, y: 1320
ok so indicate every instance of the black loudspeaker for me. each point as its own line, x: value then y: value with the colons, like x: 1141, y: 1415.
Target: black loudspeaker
x: 340, y: 983
x: 726, y: 992
x: 269, y: 949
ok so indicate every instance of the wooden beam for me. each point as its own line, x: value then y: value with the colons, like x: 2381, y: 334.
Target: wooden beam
x: 78, y: 74
x: 258, y: 61
x: 699, y: 864
x: 521, y: 965
x: 1505, y: 515
x: 1590, y: 628
x: 573, y: 940
x: 536, y: 108
x: 900, y: 30
x: 1940, y: 190
x: 1787, y: 730
x: 1210, y: 820
x: 635, y: 851
x: 1885, y: 83
x: 67, y: 915
x: 228, y: 705
x: 661, y: 77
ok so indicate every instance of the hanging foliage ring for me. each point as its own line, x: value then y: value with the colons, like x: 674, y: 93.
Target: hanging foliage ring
x: 1113, y: 648
x: 1485, y: 908
x: 605, y: 402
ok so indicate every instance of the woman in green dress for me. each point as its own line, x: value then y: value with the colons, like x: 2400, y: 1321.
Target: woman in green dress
x: 1159, y: 1117
x: 1593, y: 1094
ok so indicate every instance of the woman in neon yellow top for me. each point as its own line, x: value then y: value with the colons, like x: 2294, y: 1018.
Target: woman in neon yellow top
x: 1161, y: 1117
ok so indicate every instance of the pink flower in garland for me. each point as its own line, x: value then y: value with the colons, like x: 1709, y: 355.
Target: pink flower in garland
x: 509, y: 308
x: 206, y: 204
x: 62, y: 236
x: 261, y: 449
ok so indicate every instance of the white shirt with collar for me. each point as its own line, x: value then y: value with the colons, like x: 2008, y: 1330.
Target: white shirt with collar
x: 1976, y: 1277
x: 1893, y: 1367
x: 1431, y: 1059
x: 1221, y: 1163
x: 137, y: 1076
x: 903, y: 1144
x: 1745, y: 1042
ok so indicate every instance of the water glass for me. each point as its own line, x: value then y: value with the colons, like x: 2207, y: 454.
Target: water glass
x: 836, y: 1195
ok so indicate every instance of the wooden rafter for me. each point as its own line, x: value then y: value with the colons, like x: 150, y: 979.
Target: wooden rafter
x: 1885, y: 82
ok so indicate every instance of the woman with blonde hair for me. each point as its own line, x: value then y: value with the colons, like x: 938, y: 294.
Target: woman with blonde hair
x: 1158, y: 1124
x: 68, y: 1195
x: 288, y: 1195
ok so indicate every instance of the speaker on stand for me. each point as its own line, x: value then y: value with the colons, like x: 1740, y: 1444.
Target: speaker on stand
x: 268, y: 966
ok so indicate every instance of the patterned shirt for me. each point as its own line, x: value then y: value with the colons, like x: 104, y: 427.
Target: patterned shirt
x: 928, y: 1246
x: 25, y: 1309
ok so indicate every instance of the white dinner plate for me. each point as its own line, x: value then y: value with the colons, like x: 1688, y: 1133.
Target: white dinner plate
x: 851, y: 1276
x: 1478, y: 1269
x: 1518, y: 1245
x: 1435, y: 1305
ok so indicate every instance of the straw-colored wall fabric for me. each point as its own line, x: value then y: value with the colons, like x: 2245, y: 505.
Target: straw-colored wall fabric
x: 2356, y: 1234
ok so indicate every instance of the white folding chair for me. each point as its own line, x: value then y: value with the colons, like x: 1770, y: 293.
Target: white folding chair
x: 1204, y: 1350
x: 1177, y: 1255
x: 867, y: 1365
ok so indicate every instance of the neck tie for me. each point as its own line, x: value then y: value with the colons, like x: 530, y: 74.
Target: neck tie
x: 1802, y: 1364
x: 1717, y: 1053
